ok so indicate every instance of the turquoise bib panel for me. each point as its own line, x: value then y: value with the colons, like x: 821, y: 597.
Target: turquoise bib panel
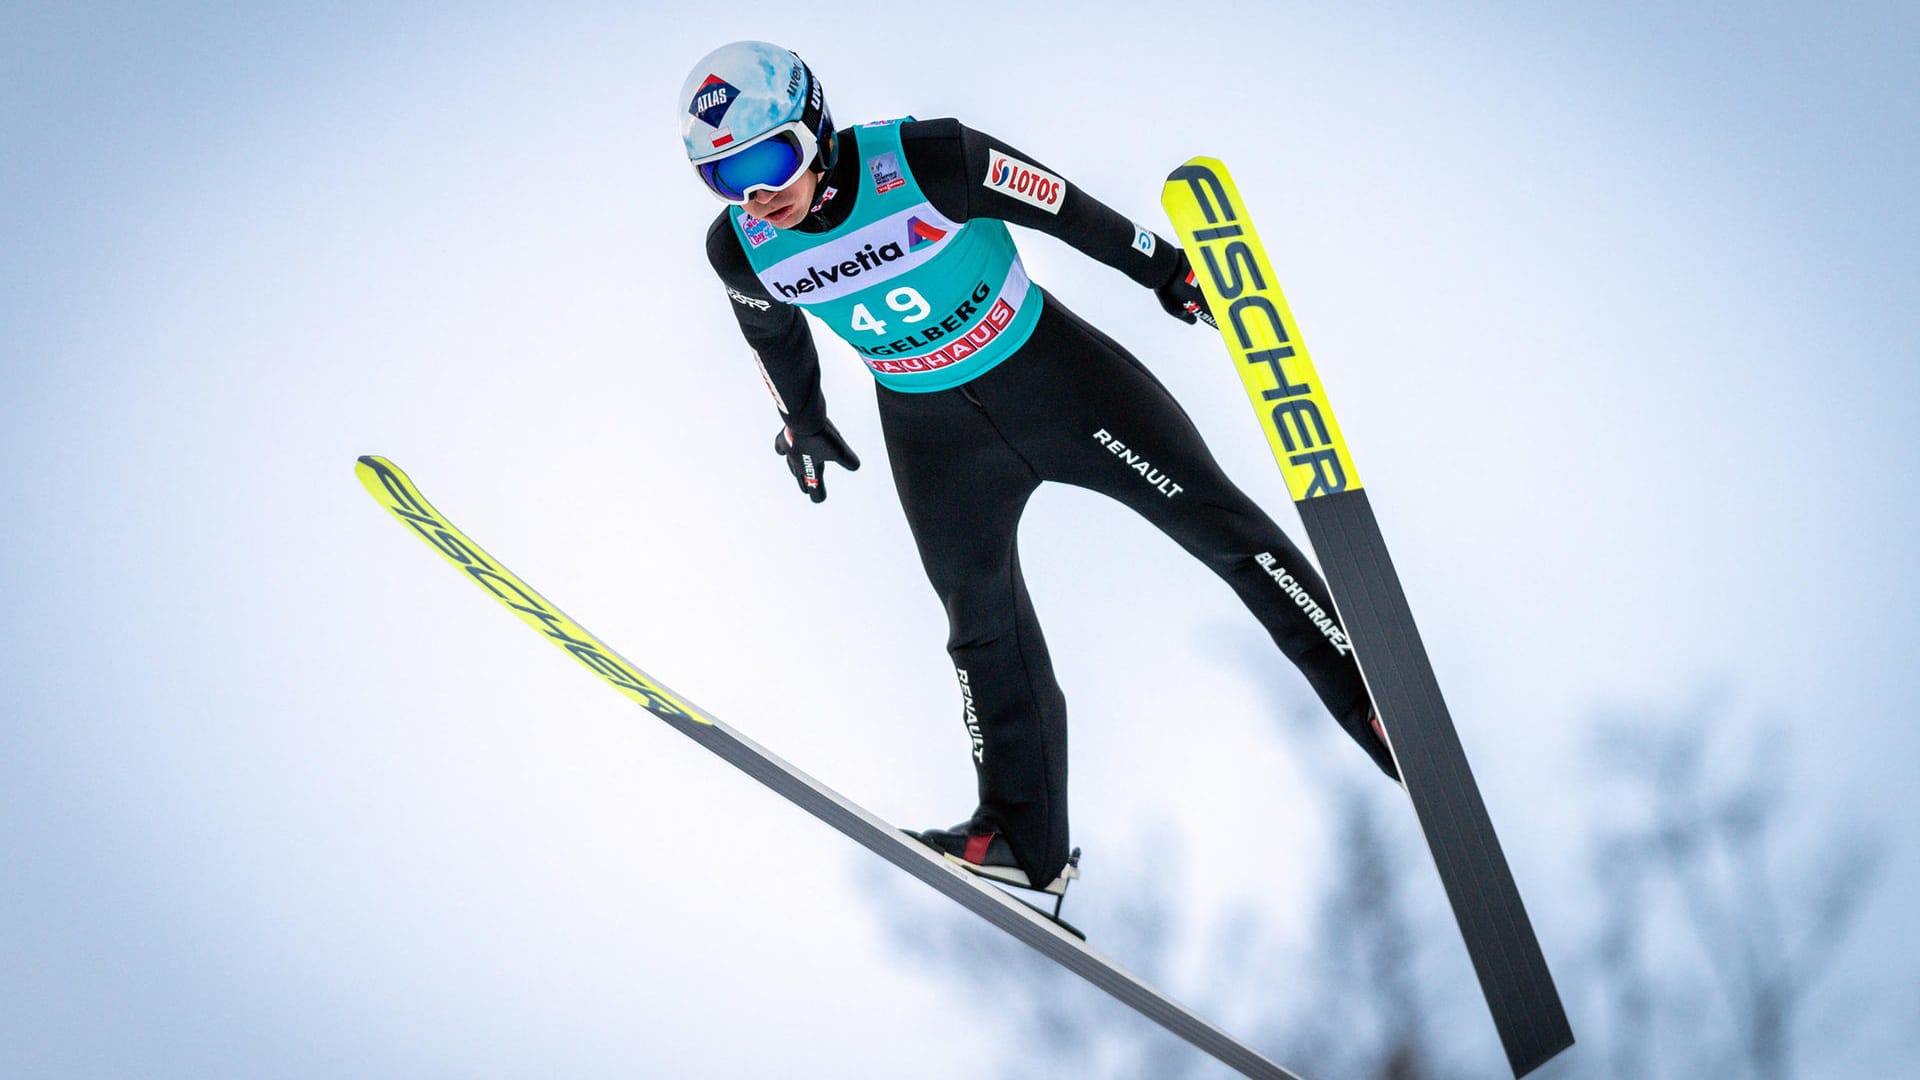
x: 928, y: 303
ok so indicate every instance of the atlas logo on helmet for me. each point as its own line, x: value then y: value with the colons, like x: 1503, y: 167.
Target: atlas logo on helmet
x: 710, y: 103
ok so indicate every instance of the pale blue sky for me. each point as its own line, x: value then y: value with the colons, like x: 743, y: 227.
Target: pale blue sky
x: 1615, y: 301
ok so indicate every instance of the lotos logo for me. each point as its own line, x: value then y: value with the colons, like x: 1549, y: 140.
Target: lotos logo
x: 710, y: 102
x: 1028, y: 183
x: 920, y: 233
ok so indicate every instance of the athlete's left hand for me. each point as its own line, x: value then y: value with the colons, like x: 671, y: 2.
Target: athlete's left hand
x: 807, y: 457
x: 1181, y: 295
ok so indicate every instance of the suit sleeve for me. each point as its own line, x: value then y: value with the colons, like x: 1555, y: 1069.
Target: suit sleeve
x: 961, y: 172
x: 776, y: 331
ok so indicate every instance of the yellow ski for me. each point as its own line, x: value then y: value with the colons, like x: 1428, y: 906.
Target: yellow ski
x: 386, y: 483
x: 1232, y: 269
x: 1047, y: 935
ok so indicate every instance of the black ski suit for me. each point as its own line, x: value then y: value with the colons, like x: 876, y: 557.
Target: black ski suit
x: 1071, y: 406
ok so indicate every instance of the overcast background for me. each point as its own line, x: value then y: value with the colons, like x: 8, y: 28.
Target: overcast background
x: 1616, y: 302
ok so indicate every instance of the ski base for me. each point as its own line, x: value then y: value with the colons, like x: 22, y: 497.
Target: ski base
x: 1453, y: 817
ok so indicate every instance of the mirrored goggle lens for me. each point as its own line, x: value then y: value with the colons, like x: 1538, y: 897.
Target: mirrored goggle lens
x: 770, y: 163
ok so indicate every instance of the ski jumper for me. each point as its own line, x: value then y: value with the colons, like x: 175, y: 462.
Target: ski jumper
x: 987, y: 387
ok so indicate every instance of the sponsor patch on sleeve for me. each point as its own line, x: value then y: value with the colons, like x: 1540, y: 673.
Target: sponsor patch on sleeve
x: 1143, y: 241
x: 749, y: 301
x: 1030, y: 184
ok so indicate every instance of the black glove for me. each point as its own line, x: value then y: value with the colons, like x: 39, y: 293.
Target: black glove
x: 807, y: 457
x: 1181, y: 295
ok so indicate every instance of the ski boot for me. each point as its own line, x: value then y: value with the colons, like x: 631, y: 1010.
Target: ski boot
x: 988, y: 855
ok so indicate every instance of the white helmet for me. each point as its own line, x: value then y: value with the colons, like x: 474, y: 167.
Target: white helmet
x: 744, y: 96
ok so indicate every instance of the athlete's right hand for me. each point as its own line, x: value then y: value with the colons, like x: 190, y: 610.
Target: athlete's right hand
x: 1182, y: 297
x: 807, y: 457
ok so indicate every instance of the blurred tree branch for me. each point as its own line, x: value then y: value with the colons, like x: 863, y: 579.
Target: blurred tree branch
x: 1706, y: 947
x: 1705, y: 843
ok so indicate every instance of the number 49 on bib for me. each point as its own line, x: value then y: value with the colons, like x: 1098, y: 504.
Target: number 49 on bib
x: 906, y: 300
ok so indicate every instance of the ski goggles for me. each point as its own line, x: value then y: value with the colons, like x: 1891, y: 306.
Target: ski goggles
x: 769, y: 163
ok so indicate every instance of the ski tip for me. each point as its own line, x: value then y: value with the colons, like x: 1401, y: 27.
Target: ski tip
x: 372, y: 468
x: 1196, y: 166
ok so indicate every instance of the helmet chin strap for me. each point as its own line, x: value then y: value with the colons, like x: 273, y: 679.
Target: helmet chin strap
x: 826, y: 139
x: 829, y: 145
